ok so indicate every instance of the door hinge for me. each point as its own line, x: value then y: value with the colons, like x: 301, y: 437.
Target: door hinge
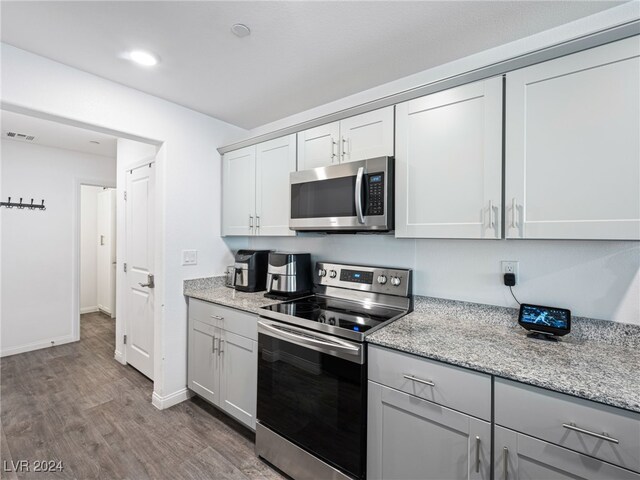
x: 125, y: 340
x: 125, y: 267
x: 125, y: 196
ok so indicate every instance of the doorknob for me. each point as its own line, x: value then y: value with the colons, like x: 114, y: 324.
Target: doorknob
x: 150, y: 281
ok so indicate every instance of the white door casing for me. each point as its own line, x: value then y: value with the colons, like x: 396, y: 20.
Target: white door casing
x: 275, y: 159
x: 139, y: 299
x: 239, y: 192
x: 449, y: 163
x: 106, y: 267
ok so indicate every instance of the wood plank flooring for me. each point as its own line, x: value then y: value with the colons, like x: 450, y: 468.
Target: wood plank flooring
x: 75, y: 404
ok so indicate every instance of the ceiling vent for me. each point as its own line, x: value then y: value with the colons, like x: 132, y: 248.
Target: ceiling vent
x: 20, y: 136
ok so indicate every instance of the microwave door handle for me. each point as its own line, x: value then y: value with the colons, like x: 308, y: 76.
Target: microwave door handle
x: 358, y: 195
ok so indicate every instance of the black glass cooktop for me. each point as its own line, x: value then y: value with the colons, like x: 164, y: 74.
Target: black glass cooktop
x: 354, y: 316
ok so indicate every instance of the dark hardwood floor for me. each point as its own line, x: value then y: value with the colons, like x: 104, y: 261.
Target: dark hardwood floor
x: 75, y: 404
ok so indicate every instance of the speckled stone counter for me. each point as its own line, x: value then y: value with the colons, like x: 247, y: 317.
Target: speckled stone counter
x: 598, y: 361
x: 213, y: 290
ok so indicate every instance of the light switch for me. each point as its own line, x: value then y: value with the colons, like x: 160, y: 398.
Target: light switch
x: 189, y: 257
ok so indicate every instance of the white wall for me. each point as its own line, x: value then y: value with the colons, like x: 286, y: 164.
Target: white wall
x: 38, y: 247
x: 597, y: 279
x: 190, y: 177
x: 88, y: 248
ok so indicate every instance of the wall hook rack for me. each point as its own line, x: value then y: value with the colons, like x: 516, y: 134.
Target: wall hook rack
x: 20, y: 205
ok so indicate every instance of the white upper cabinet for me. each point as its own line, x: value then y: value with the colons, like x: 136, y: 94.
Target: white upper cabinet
x: 275, y: 159
x: 239, y: 191
x: 318, y: 147
x: 368, y: 135
x: 449, y: 163
x: 573, y: 146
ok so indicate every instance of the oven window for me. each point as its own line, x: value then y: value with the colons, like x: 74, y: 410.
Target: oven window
x: 315, y: 400
x: 324, y: 198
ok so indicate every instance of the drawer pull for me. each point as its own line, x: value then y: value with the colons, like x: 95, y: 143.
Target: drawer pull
x: 217, y: 317
x: 601, y: 436
x: 505, y: 463
x: 418, y: 380
x: 477, y: 454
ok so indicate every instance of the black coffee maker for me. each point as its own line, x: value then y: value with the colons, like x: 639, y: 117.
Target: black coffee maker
x: 250, y: 270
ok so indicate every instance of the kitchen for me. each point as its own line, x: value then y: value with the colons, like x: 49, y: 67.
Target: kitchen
x: 524, y: 210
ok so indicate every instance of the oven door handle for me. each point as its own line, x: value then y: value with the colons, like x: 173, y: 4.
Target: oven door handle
x: 286, y: 334
x: 358, y: 195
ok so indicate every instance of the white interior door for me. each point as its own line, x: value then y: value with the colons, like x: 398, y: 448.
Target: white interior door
x: 140, y: 254
x: 106, y: 267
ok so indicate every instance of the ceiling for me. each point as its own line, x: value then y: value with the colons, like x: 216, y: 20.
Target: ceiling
x: 300, y: 54
x: 54, y: 134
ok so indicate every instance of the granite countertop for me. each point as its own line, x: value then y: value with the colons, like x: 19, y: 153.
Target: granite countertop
x: 598, y: 361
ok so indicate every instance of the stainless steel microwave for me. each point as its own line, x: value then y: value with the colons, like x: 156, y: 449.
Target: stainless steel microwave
x: 353, y: 196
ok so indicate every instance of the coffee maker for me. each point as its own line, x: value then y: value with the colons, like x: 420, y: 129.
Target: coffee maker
x: 250, y: 270
x: 288, y: 275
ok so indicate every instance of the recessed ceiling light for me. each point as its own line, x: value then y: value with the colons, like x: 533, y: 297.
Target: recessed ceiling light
x: 94, y: 141
x: 143, y: 58
x: 240, y: 30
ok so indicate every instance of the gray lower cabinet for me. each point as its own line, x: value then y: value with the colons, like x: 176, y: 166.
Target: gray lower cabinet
x: 521, y: 457
x: 411, y: 438
x: 223, y: 359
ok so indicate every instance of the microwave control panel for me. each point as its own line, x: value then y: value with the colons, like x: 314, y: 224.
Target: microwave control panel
x: 375, y: 184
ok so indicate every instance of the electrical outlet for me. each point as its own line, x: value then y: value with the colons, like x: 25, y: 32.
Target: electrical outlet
x: 189, y: 257
x: 510, y: 266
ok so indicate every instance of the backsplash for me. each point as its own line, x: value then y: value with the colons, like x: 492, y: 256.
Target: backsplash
x: 595, y: 279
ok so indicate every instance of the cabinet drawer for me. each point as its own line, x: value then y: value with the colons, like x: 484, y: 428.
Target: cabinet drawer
x: 229, y: 319
x: 454, y: 387
x: 554, y: 417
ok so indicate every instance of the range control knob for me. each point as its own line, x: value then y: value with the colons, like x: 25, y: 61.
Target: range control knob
x: 395, y: 281
x: 333, y: 274
x: 382, y: 279
x: 322, y: 272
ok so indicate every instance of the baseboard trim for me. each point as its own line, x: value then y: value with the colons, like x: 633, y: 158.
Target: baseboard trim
x: 104, y: 309
x: 5, y: 352
x: 89, y: 310
x: 119, y: 356
x: 164, y: 402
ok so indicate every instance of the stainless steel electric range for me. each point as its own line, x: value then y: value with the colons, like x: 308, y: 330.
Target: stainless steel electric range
x: 312, y: 369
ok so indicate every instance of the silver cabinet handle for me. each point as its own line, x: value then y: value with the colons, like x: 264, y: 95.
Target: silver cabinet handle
x: 514, y: 210
x: 333, y: 149
x: 505, y: 463
x: 344, y: 147
x: 150, y: 281
x: 477, y: 454
x: 601, y: 436
x: 251, y: 222
x: 358, y: 195
x: 492, y: 217
x: 257, y: 221
x: 220, y: 342
x: 217, y: 317
x: 213, y: 344
x: 101, y: 240
x: 419, y: 380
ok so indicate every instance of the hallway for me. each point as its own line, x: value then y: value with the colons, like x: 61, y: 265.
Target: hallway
x: 76, y: 405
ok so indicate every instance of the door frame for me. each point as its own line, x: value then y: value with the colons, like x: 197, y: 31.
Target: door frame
x: 76, y: 277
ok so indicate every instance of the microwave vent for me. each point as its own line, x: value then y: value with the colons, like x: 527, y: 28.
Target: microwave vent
x: 20, y: 136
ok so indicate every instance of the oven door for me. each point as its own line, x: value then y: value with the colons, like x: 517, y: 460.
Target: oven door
x: 350, y: 196
x: 312, y: 392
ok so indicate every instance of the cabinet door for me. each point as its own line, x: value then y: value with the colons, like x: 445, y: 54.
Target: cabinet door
x: 275, y: 159
x: 410, y: 438
x: 318, y: 147
x: 519, y: 456
x: 573, y: 146
x: 202, y: 367
x: 239, y: 191
x: 369, y: 135
x: 449, y: 163
x: 239, y: 377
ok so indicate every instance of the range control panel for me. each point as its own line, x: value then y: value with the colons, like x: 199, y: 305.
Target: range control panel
x: 393, y: 281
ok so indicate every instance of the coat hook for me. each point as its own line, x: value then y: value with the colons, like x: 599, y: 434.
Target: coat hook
x: 20, y: 206
x: 31, y: 206
x: 43, y: 207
